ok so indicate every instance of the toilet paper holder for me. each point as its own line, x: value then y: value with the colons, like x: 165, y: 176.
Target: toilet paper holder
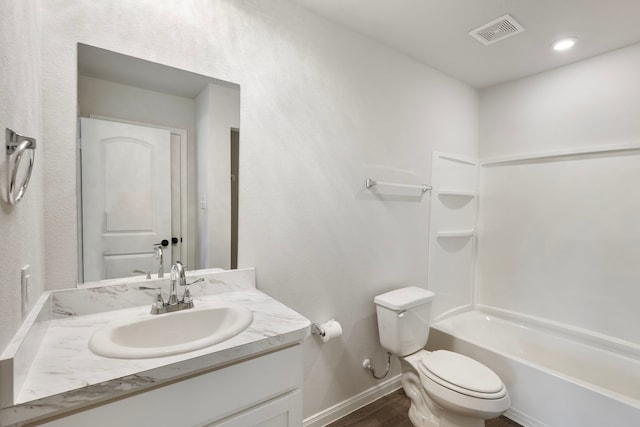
x: 328, y: 330
x: 317, y: 330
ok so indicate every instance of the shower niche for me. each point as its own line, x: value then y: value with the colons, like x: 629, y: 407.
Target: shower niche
x: 452, y: 232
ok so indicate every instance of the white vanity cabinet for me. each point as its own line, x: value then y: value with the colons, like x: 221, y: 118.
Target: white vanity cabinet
x: 263, y: 391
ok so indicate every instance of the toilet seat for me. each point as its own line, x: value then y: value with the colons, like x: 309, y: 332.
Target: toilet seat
x: 461, y: 374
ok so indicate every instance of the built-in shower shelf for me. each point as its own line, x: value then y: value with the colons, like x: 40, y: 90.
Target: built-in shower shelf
x: 455, y: 233
x: 457, y: 193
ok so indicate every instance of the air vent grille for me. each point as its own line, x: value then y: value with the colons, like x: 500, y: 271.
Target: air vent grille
x: 496, y: 30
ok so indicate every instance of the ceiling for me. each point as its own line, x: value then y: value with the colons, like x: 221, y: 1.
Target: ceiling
x: 435, y: 32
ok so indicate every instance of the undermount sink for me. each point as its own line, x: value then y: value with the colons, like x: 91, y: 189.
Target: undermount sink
x: 147, y: 335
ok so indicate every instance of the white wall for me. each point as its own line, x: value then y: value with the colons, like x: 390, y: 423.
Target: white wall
x: 559, y: 236
x: 591, y: 103
x: 321, y: 108
x: 21, y: 226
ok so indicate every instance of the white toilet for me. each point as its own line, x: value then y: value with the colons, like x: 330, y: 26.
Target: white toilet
x: 446, y: 389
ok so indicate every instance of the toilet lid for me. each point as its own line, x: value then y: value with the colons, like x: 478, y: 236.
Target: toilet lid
x: 457, y: 372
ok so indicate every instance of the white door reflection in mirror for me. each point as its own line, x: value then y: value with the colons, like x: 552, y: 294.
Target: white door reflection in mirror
x: 126, y: 198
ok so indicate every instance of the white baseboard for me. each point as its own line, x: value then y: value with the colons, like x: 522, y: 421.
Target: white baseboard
x: 523, y: 419
x: 354, y: 403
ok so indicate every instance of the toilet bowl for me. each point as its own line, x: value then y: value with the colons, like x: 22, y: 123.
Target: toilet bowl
x: 446, y: 389
x: 462, y: 392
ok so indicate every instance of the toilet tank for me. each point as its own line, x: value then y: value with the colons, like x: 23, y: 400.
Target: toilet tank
x: 403, y: 319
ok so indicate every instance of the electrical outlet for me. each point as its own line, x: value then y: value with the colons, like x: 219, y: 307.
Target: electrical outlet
x: 25, y: 275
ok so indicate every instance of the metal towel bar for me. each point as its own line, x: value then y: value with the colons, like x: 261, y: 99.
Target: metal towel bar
x: 369, y: 183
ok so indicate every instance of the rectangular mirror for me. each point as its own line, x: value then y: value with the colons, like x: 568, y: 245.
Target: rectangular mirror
x: 158, y: 167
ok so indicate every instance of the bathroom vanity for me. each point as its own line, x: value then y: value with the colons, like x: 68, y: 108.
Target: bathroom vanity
x: 49, y: 377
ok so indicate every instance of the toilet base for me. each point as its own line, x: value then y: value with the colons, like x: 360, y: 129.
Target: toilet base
x: 425, y: 413
x: 453, y: 420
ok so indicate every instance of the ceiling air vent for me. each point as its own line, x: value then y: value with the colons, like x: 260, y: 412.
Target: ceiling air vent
x: 496, y: 30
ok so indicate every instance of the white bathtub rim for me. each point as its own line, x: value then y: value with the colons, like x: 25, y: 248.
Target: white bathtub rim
x: 454, y: 312
x: 563, y: 330
x: 584, y: 336
x: 585, y: 384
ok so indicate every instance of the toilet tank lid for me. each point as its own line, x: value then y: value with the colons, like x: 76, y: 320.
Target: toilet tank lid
x: 404, y: 298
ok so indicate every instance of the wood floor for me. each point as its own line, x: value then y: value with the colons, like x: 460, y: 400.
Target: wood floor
x: 392, y: 411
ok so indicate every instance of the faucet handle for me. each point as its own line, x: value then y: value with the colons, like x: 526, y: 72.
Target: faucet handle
x: 186, y: 296
x: 193, y: 283
x: 148, y: 273
x: 158, y: 302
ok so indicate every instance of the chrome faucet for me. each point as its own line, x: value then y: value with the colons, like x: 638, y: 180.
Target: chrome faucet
x: 159, y: 257
x: 174, y: 303
x: 177, y: 278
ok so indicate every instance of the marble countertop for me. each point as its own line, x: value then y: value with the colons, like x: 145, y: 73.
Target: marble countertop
x: 64, y: 375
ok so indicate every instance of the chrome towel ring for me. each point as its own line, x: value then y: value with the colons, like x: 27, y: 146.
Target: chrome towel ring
x: 16, y: 146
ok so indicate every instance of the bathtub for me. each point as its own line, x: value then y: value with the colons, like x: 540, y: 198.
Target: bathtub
x: 554, y: 379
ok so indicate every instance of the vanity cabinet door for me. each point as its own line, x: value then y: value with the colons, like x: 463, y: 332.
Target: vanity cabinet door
x: 285, y: 411
x: 263, y: 391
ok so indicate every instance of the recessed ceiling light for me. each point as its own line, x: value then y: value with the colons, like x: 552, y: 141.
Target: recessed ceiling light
x: 564, y: 44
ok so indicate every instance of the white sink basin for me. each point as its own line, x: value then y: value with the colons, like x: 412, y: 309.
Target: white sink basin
x: 149, y: 335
